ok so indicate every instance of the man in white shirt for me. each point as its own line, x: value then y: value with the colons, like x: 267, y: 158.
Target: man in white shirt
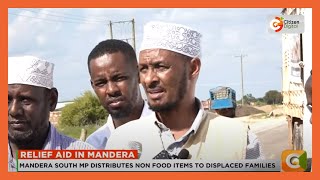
x: 114, y: 76
x: 169, y: 66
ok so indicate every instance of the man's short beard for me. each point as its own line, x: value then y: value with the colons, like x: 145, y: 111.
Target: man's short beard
x: 126, y: 111
x: 22, y: 140
x: 171, y: 105
x: 164, y: 107
x: 122, y: 113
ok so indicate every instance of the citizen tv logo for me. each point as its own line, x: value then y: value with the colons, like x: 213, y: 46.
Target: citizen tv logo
x: 293, y: 161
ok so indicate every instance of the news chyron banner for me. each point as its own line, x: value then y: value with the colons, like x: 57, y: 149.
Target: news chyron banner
x: 126, y: 161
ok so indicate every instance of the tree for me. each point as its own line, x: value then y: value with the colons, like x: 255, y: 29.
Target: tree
x: 247, y: 99
x: 85, y: 110
x: 273, y: 97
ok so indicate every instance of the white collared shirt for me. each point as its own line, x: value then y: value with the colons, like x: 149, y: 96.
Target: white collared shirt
x: 174, y: 146
x: 253, y: 150
x: 154, y: 136
x: 99, y: 138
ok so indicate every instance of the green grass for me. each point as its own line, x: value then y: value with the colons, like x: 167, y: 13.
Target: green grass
x: 75, y: 131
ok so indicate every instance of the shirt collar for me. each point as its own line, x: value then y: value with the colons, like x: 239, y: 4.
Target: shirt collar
x: 197, y: 121
x: 50, y: 138
x: 145, y: 112
x: 195, y: 125
x: 110, y: 123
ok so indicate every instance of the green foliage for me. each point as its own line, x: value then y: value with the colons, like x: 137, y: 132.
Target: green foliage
x: 260, y: 102
x: 249, y: 98
x: 273, y: 97
x: 75, y: 131
x: 84, y: 111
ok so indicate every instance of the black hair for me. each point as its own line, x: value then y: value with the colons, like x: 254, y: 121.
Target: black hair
x: 113, y: 46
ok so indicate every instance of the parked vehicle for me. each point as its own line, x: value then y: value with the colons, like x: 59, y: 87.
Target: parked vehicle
x: 222, y: 97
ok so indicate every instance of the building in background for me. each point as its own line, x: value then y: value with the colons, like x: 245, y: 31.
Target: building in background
x: 55, y: 115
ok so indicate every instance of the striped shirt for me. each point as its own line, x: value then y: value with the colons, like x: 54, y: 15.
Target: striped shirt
x: 54, y: 141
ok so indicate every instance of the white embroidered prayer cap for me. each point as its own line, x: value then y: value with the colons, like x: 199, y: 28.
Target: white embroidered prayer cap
x: 171, y: 36
x: 30, y: 70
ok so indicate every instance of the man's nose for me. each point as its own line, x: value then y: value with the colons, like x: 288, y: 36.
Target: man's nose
x: 150, y: 78
x: 113, y: 89
x: 15, y: 108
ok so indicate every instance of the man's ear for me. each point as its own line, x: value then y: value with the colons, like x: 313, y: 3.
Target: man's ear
x: 195, y: 65
x: 53, y: 98
x: 91, y: 83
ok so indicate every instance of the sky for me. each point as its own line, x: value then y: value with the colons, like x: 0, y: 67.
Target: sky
x: 67, y: 36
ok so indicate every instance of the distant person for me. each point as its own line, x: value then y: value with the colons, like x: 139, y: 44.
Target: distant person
x: 113, y: 69
x: 169, y: 65
x: 227, y: 112
x: 223, y: 101
x: 31, y: 97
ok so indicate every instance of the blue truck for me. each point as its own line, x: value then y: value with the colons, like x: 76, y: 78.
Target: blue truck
x: 222, y: 98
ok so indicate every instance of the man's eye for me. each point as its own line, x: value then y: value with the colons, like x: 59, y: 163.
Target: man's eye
x: 161, y: 68
x: 121, y: 78
x: 26, y: 101
x: 99, y: 84
x: 143, y: 69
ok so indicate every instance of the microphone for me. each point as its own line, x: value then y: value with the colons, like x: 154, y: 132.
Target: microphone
x: 163, y: 155
x: 183, y: 154
x: 134, y: 145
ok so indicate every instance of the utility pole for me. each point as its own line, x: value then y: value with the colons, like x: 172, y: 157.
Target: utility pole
x: 133, y: 38
x: 241, y: 57
x: 110, y: 25
x: 133, y: 35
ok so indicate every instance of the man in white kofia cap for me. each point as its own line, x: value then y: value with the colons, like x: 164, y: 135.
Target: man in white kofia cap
x: 169, y: 66
x: 31, y: 97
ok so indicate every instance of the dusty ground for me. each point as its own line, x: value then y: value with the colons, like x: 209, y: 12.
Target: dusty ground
x: 277, y: 109
x: 252, y: 110
x: 247, y: 110
x: 261, y: 117
x: 264, y: 118
x: 259, y: 111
